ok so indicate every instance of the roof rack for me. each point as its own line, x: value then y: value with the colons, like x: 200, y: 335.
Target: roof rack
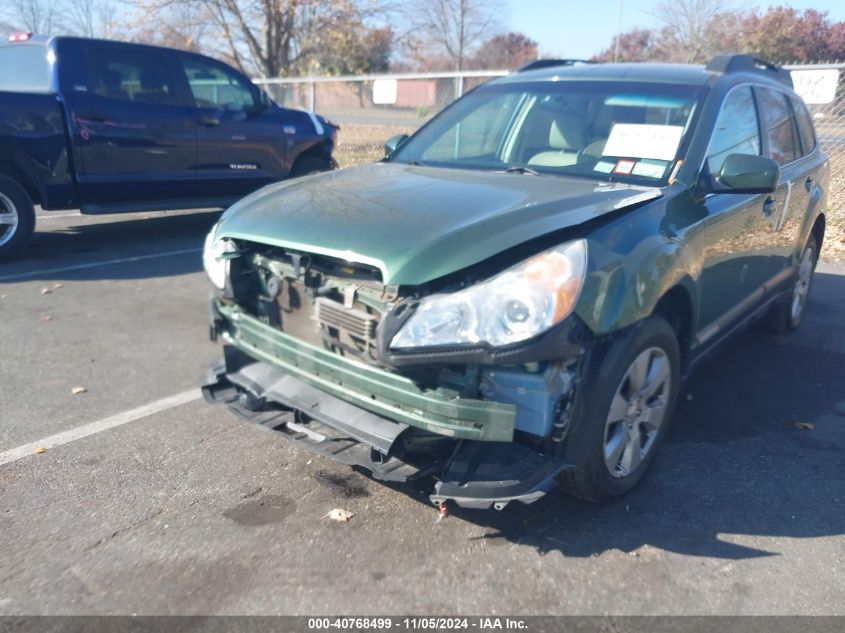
x: 747, y: 63
x: 549, y: 63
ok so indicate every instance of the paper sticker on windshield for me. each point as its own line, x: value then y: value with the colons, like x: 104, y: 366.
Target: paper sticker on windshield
x: 604, y: 166
x: 638, y: 140
x: 624, y: 166
x: 650, y: 168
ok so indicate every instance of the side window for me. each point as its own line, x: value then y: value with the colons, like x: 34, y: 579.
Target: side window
x: 139, y: 76
x: 215, y: 86
x: 780, y: 126
x: 737, y: 130
x: 24, y: 68
x: 805, y: 126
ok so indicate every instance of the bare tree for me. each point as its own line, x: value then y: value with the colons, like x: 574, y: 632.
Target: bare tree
x: 36, y: 16
x: 91, y: 18
x: 274, y: 38
x: 172, y: 24
x: 686, y: 35
x: 451, y: 29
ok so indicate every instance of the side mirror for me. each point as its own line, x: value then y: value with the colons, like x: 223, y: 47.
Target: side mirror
x: 744, y: 173
x: 393, y: 143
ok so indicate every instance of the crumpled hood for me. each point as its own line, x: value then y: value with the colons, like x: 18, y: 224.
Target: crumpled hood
x: 419, y: 223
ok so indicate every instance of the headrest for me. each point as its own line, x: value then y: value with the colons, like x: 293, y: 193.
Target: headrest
x: 567, y: 132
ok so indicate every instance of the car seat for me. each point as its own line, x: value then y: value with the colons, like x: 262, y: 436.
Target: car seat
x: 567, y: 136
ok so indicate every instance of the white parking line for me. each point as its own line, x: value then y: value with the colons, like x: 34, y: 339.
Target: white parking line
x: 105, y: 424
x: 107, y: 262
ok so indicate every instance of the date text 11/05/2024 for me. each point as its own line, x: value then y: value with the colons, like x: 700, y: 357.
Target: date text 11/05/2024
x: 417, y: 623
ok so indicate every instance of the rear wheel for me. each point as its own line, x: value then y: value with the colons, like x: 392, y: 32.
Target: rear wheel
x: 627, y: 405
x: 786, y: 316
x: 305, y: 165
x: 17, y: 217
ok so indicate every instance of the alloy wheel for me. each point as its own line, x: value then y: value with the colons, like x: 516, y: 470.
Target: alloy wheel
x: 8, y: 219
x: 802, y: 284
x: 637, y: 412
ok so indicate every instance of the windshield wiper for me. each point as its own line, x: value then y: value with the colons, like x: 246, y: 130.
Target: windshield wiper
x: 519, y: 169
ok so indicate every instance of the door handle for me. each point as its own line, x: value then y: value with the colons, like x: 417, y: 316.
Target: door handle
x: 808, y: 184
x: 93, y: 117
x: 210, y: 121
x: 769, y: 207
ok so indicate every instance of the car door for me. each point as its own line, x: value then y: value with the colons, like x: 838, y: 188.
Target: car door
x: 790, y: 199
x: 135, y: 137
x: 241, y: 142
x: 731, y: 239
x: 799, y: 187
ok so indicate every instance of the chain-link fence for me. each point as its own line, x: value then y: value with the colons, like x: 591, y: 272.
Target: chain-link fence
x: 822, y: 86
x: 372, y: 108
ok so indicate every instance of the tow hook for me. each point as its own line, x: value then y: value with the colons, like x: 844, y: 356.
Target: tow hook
x: 252, y: 402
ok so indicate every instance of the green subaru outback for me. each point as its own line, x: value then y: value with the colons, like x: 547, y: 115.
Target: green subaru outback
x: 511, y: 299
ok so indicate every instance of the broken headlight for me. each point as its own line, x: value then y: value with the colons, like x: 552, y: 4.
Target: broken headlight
x: 513, y: 306
x: 214, y: 259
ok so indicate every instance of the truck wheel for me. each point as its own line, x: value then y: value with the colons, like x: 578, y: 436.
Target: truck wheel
x: 786, y: 316
x: 17, y: 217
x: 626, y: 407
x: 305, y: 165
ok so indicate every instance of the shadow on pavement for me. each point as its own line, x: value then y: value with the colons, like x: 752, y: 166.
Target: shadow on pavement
x: 57, y: 244
x: 734, y: 466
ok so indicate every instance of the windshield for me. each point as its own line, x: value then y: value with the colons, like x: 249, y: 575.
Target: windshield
x: 623, y: 131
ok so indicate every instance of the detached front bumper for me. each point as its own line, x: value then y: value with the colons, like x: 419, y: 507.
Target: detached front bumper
x: 383, y: 393
x: 363, y: 416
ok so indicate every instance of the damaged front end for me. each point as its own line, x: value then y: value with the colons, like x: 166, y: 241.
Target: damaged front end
x: 307, y: 354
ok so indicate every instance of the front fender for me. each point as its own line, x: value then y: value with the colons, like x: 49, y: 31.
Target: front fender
x: 633, y: 263
x: 817, y: 206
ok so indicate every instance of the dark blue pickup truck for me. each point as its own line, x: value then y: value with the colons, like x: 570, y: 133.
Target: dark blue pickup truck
x: 108, y: 127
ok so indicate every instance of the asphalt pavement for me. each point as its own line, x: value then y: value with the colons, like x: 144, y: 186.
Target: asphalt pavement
x: 150, y: 501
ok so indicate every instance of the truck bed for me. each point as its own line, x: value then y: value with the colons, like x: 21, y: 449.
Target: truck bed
x: 33, y: 143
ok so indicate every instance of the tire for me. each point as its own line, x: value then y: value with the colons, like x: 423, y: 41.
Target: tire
x: 305, y: 165
x: 17, y: 218
x: 638, y: 419
x: 785, y: 316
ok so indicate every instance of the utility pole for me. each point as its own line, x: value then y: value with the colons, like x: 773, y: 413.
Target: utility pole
x: 618, y: 34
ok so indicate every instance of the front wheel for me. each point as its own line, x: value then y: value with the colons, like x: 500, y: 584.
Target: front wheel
x: 305, y: 165
x: 17, y: 218
x: 627, y: 404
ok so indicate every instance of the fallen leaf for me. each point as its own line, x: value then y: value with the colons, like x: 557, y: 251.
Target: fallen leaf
x: 40, y: 450
x: 77, y: 390
x: 805, y: 425
x: 46, y: 291
x: 45, y: 317
x: 58, y: 285
x: 339, y: 514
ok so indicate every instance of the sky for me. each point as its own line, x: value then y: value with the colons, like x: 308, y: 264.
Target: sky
x: 577, y: 29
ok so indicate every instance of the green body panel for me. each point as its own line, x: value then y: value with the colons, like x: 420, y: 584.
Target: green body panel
x: 387, y: 394
x: 419, y: 223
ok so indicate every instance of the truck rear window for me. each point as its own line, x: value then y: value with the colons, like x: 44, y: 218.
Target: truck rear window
x: 24, y: 68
